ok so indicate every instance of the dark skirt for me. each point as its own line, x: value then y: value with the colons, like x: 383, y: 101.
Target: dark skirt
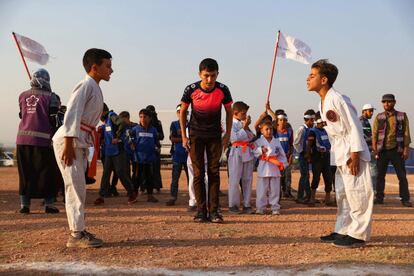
x: 37, y: 171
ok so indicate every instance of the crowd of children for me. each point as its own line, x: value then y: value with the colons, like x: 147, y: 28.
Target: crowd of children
x: 269, y: 150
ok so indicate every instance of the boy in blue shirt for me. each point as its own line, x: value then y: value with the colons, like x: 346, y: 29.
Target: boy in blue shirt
x: 145, y: 146
x: 179, y: 157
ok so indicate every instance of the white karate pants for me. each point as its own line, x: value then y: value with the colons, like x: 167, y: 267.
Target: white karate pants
x: 192, y: 201
x: 355, y: 199
x: 268, y: 186
x: 243, y: 171
x: 75, y: 186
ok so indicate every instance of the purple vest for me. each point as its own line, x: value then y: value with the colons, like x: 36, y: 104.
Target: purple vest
x: 399, y: 133
x: 34, y: 128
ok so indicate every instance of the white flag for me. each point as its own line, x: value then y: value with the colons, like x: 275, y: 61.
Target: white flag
x: 292, y: 48
x: 32, y: 50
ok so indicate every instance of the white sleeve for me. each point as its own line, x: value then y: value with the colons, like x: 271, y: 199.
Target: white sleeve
x: 75, y: 108
x: 353, y: 125
x: 238, y: 134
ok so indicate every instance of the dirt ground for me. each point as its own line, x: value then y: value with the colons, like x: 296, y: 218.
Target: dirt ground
x: 152, y: 235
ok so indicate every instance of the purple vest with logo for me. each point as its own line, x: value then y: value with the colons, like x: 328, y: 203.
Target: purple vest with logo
x: 399, y: 132
x: 34, y: 128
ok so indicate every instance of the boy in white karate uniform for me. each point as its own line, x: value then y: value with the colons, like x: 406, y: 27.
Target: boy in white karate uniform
x: 350, y: 153
x: 272, y: 160
x: 241, y: 159
x: 73, y: 139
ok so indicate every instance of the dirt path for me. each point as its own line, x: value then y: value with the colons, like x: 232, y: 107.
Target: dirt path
x: 154, y: 236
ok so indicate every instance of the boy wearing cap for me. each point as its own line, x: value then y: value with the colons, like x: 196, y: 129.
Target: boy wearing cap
x: 350, y: 153
x: 390, y: 142
x: 367, y: 112
x: 300, y: 144
x: 179, y: 157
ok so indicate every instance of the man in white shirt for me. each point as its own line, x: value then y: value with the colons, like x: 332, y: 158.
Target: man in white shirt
x: 73, y: 139
x: 350, y: 153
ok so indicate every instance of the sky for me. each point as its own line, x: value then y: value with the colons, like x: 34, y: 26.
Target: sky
x: 157, y: 46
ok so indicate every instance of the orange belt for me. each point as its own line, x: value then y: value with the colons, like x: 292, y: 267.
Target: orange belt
x: 273, y: 160
x: 92, y: 131
x: 243, y: 145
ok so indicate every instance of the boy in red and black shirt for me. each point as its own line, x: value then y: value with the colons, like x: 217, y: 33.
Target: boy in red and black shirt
x: 206, y: 97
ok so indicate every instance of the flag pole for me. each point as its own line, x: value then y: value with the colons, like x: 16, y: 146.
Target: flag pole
x: 21, y: 54
x: 273, y: 67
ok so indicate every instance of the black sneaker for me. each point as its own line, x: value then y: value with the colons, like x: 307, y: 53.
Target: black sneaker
x: 234, y: 210
x: 406, y: 203
x: 24, y: 210
x: 170, y: 202
x: 51, y: 210
x: 348, y: 242
x: 332, y: 237
x: 86, y: 240
x: 200, y: 217
x: 115, y: 193
x: 378, y: 201
x: 248, y: 210
x: 215, y: 217
x: 191, y: 208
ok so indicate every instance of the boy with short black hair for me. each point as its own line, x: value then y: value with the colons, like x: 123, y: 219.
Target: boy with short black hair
x: 206, y: 98
x: 75, y: 136
x: 145, y: 147
x: 350, y: 153
x: 128, y: 139
x: 272, y: 160
x: 241, y: 159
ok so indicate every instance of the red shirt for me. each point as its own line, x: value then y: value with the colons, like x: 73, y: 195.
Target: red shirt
x: 206, y: 108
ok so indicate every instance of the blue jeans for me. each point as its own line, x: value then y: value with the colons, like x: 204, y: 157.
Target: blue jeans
x: 176, y: 172
x: 304, y: 184
x: 25, y: 201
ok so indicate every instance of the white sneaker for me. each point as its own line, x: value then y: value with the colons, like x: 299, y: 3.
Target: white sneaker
x: 259, y: 212
x: 276, y: 212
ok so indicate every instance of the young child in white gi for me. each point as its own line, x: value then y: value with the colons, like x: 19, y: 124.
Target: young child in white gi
x: 272, y: 160
x: 75, y: 136
x: 241, y: 159
x: 350, y: 153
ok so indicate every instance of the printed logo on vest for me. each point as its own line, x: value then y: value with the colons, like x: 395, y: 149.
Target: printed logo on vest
x: 32, y: 100
x: 31, y: 103
x: 332, y: 116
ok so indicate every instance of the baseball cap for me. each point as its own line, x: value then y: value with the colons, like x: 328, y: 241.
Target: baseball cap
x: 367, y: 106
